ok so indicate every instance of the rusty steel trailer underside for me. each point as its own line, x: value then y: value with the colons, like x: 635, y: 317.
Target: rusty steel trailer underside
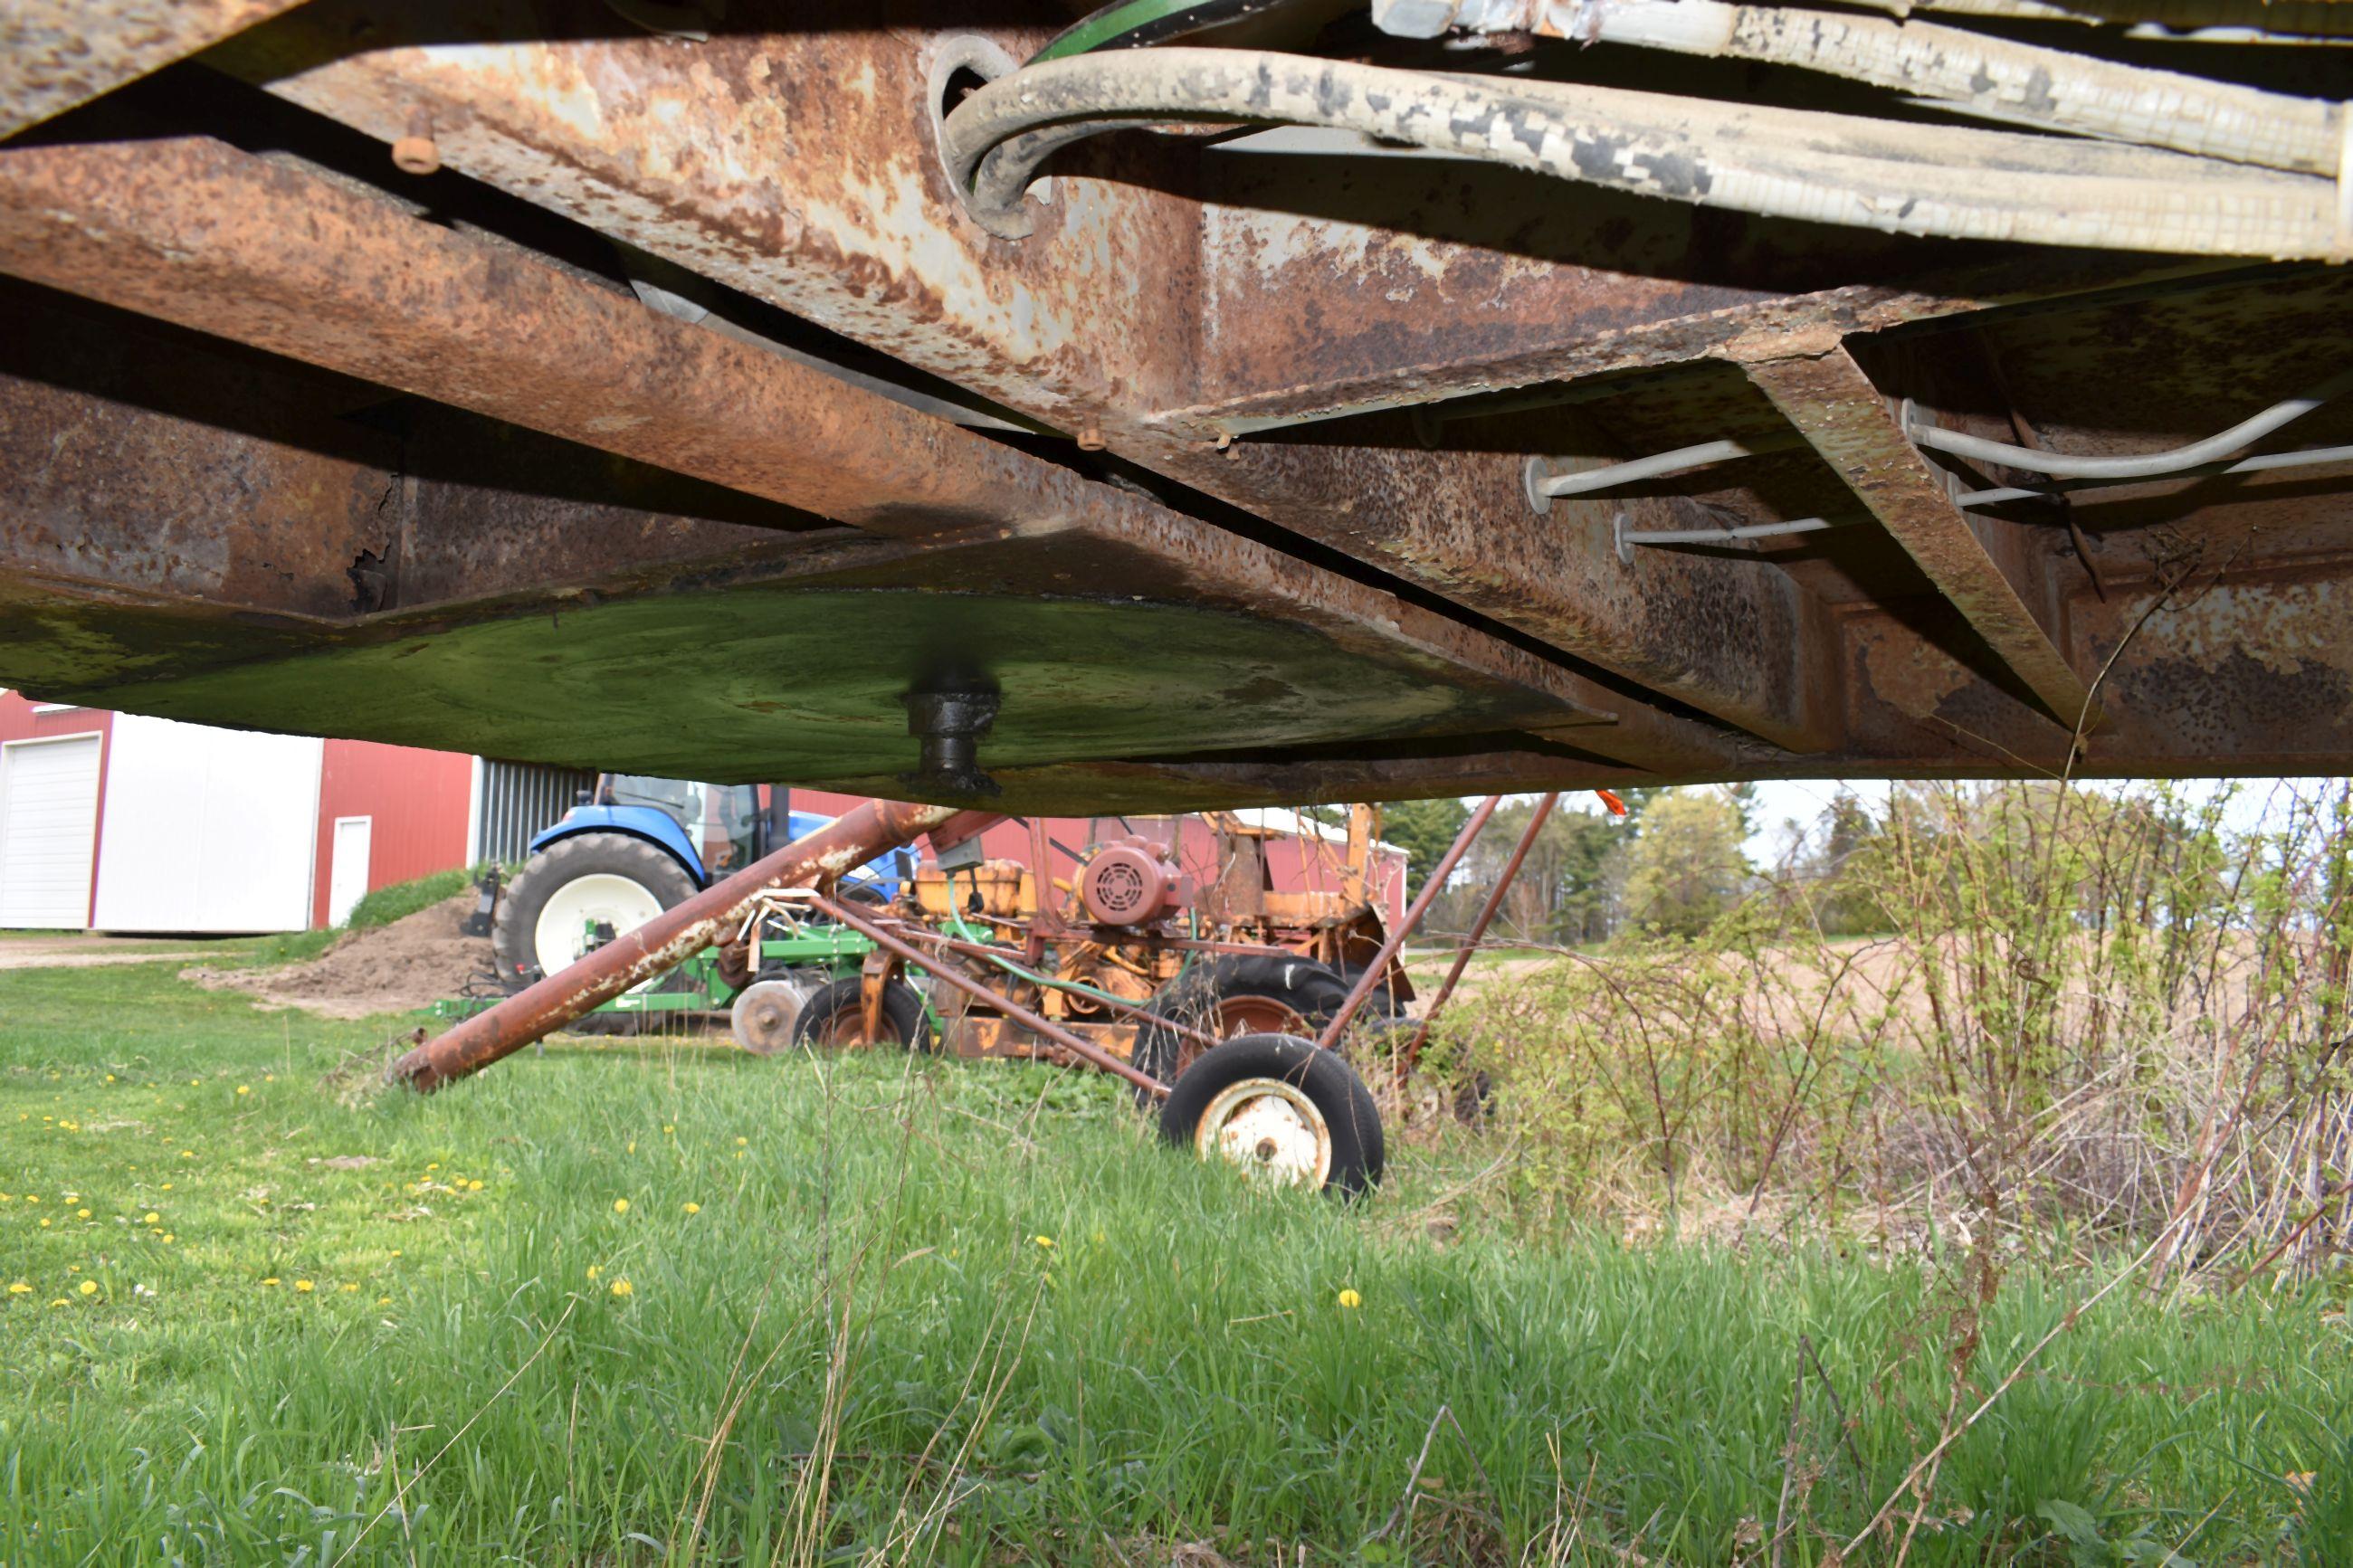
x: 629, y: 385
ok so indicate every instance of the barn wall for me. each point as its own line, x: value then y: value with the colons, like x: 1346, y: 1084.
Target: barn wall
x: 419, y: 802
x: 206, y: 829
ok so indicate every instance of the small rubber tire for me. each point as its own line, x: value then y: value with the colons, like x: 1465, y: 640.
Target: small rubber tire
x: 1310, y: 991
x: 1329, y: 1084
x: 903, y: 1014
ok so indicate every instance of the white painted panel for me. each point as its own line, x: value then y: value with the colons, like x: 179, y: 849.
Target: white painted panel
x: 347, y: 873
x: 48, y: 807
x: 207, y: 829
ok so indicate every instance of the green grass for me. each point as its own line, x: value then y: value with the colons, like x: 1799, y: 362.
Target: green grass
x: 386, y: 905
x: 860, y: 1344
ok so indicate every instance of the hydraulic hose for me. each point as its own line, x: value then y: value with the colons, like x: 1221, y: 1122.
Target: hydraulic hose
x: 2019, y: 83
x: 1900, y: 179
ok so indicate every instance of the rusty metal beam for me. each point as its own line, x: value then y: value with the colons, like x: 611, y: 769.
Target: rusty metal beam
x: 56, y: 54
x: 1845, y: 417
x: 196, y: 233
x: 835, y: 208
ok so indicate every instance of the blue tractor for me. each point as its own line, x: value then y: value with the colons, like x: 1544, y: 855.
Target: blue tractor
x: 636, y: 846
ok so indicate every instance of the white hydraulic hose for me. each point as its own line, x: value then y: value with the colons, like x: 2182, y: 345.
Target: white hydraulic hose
x: 2060, y: 465
x: 2310, y: 457
x: 2018, y: 83
x: 1963, y: 182
x: 1659, y: 465
x: 2283, y: 21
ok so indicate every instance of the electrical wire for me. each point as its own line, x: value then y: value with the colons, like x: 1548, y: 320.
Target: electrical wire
x: 1141, y: 24
x: 2061, y: 465
x: 1963, y: 182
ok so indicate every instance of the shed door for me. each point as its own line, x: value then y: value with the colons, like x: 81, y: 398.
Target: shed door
x: 49, y: 819
x: 347, y: 874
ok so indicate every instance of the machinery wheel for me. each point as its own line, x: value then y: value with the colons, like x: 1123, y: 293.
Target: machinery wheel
x: 767, y: 1016
x: 1237, y: 993
x: 1280, y: 1110
x: 608, y: 878
x: 835, y: 1016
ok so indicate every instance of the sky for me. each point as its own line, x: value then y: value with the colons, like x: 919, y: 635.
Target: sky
x: 1778, y: 800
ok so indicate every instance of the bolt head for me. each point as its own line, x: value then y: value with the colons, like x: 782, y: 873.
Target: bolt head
x: 417, y: 155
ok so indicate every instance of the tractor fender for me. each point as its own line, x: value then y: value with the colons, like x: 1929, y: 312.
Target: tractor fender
x: 656, y: 828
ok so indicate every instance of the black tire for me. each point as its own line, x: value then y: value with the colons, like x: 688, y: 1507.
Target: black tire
x: 903, y: 1014
x: 565, y: 860
x: 1310, y: 990
x: 1329, y: 1084
x: 512, y: 928
x: 1380, y: 1002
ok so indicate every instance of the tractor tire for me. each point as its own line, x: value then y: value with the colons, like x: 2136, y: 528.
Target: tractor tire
x: 1232, y: 995
x: 661, y: 883
x: 833, y: 1016
x: 1279, y: 1110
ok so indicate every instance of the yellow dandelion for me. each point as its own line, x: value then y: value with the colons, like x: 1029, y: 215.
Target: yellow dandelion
x: 188, y: 1154
x: 169, y: 1238
x: 620, y: 1206
x: 243, y: 1088
x: 81, y: 1213
x: 632, y: 1148
x: 741, y: 1153
x: 473, y: 1186
x: 1350, y: 1300
x: 20, y: 1288
x: 691, y: 1208
x: 151, y: 1217
x: 271, y: 1280
x: 305, y: 1285
x: 383, y: 1301
x: 594, y: 1271
x: 623, y: 1287
x: 61, y: 1301
x: 167, y: 1187
x: 740, y: 1142
x: 433, y: 1165
x: 269, y: 1077
x: 109, y: 1077
x: 351, y: 1289
x: 194, y: 1082
x: 1044, y: 1240
x: 395, y: 1252
x: 89, y: 1287
x: 669, y: 1126
x: 45, y: 1223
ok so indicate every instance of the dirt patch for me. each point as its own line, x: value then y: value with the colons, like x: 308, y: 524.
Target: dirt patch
x: 412, y: 962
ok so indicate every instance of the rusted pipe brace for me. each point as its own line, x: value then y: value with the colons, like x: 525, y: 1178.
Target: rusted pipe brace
x: 1478, y: 930
x: 1379, y: 966
x: 663, y: 942
x: 1085, y: 1050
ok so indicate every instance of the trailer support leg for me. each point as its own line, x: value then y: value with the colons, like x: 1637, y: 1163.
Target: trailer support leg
x: 1412, y: 1054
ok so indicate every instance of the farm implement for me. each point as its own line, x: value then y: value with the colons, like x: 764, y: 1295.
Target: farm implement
x: 1223, y: 1004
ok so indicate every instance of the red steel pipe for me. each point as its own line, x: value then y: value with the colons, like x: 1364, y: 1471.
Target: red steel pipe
x: 1379, y: 967
x: 663, y: 942
x: 1478, y: 930
x: 1086, y: 1050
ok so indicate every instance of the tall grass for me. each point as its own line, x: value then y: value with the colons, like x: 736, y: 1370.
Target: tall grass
x: 928, y: 1312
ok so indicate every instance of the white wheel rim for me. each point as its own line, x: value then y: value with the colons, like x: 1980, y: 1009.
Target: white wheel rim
x: 1269, y: 1130
x: 560, y: 934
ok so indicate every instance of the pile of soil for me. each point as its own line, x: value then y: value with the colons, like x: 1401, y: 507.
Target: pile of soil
x: 412, y: 962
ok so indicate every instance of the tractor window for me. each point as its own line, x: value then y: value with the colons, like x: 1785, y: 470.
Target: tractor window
x: 684, y: 802
x: 729, y: 843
